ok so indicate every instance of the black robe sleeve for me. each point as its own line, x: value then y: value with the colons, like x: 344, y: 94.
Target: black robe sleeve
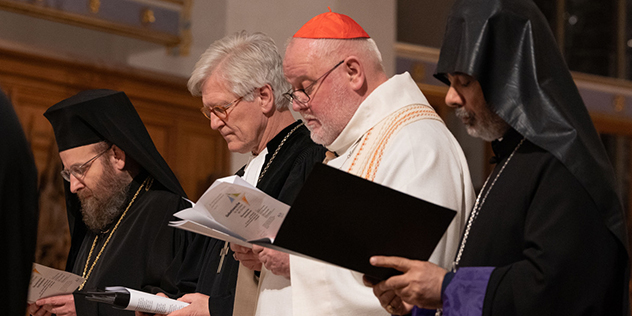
x: 552, y: 252
x: 18, y: 210
x: 572, y: 265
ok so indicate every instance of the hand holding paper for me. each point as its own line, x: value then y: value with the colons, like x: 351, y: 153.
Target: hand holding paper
x: 46, y: 282
x: 246, y: 256
x: 198, y: 305
x: 60, y: 305
x: 276, y: 261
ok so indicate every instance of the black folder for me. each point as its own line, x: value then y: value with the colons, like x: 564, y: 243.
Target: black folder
x: 343, y: 219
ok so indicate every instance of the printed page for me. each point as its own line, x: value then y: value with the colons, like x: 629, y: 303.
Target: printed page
x: 148, y: 303
x: 234, y: 207
x: 47, y: 282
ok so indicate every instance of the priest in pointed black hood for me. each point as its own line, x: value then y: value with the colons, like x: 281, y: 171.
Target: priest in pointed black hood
x: 120, y: 197
x: 547, y: 234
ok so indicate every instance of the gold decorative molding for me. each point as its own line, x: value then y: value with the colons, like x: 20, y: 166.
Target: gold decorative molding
x: 147, y: 16
x: 91, y: 19
x: 94, y: 6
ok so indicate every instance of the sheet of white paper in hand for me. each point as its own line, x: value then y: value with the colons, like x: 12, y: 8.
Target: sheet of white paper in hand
x: 47, y: 282
x: 234, y: 211
x: 148, y: 303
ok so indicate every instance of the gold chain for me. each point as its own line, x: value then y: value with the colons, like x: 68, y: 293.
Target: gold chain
x: 277, y: 151
x: 149, y: 181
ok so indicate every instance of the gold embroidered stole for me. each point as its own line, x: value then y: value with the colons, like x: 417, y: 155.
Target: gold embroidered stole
x: 367, y: 155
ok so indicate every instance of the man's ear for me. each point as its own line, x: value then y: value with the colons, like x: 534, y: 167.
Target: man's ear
x: 266, y: 95
x: 355, y: 72
x: 118, y: 158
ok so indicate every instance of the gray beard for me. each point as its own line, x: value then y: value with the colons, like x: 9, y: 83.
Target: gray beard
x: 105, y: 204
x: 489, y: 127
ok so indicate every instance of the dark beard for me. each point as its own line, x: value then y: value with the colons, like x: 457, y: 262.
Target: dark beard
x: 104, y: 205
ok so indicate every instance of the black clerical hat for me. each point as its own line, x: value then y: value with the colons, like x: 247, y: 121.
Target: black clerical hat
x: 96, y: 115
x: 67, y: 117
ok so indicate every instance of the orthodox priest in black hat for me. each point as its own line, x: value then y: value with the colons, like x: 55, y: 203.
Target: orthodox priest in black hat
x: 547, y: 234
x: 120, y: 197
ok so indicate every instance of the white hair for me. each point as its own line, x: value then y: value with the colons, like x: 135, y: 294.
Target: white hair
x: 331, y: 51
x: 246, y: 61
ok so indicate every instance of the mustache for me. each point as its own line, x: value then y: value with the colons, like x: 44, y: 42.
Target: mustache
x: 84, y: 194
x: 462, y: 113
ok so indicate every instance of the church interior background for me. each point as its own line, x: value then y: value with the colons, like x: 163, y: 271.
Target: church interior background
x: 51, y: 49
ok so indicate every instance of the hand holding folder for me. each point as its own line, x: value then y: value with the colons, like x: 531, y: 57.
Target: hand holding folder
x: 343, y: 219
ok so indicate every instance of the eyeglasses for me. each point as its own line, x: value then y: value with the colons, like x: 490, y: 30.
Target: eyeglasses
x: 79, y: 172
x: 221, y: 110
x: 302, y: 95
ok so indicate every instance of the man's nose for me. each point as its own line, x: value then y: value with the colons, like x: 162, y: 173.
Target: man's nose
x: 216, y: 122
x: 75, y: 184
x: 452, y: 98
x: 299, y: 106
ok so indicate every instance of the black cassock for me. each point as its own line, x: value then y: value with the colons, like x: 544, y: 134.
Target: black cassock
x: 553, y: 253
x: 283, y: 181
x: 140, y: 250
x: 18, y: 210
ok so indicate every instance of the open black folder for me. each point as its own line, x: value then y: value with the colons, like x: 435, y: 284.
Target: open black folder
x: 343, y: 219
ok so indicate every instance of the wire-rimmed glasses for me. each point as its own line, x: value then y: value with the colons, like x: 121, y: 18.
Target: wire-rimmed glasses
x: 221, y: 111
x: 302, y: 95
x: 79, y: 171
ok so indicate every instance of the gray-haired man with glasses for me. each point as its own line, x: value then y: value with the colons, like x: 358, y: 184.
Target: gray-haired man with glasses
x: 240, y: 79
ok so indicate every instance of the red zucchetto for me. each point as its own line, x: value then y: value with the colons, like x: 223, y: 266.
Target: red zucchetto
x: 331, y: 25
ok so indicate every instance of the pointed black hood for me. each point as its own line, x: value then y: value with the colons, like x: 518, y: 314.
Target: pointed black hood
x: 95, y: 115
x: 508, y: 47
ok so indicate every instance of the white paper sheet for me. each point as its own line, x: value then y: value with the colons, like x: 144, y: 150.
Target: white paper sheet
x: 47, y: 282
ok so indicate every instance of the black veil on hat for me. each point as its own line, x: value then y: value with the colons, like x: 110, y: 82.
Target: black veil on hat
x: 96, y: 115
x: 104, y: 115
x: 508, y: 47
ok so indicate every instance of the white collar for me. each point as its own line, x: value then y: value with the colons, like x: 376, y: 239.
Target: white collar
x: 397, y: 92
x: 254, y: 166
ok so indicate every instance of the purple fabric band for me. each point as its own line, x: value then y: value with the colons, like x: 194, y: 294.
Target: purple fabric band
x: 423, y: 312
x: 465, y: 294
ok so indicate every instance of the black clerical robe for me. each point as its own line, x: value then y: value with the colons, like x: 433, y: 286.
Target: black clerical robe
x: 283, y: 181
x: 140, y: 250
x: 18, y: 210
x: 552, y: 251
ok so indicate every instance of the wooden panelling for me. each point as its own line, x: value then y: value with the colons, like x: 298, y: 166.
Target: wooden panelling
x: 180, y: 132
